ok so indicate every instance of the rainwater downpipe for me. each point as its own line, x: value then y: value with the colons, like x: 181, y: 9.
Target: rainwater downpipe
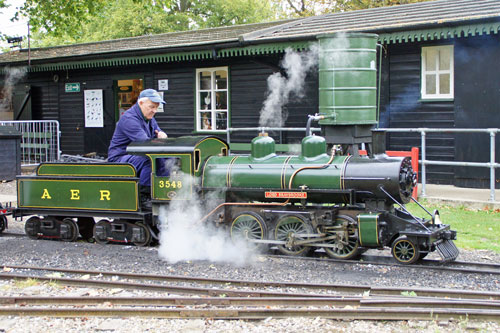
x: 379, y: 81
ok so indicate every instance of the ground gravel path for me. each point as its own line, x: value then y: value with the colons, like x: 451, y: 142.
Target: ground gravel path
x: 89, y: 256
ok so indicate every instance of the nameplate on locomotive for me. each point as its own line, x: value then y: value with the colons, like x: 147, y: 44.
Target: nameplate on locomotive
x: 286, y: 195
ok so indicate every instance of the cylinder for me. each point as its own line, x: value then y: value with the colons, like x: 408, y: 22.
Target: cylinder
x: 348, y: 79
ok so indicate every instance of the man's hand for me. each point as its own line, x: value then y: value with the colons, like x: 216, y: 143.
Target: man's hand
x: 161, y: 134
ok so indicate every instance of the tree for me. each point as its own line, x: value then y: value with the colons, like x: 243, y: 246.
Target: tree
x: 304, y: 8
x: 3, y: 5
x: 59, y: 22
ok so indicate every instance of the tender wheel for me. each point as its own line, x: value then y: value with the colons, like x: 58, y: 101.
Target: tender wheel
x: 69, y: 230
x: 101, y: 231
x: 141, y: 235
x: 3, y: 223
x: 288, y: 229
x: 405, y: 251
x: 86, y: 227
x: 247, y: 226
x: 32, y: 227
x: 346, y: 241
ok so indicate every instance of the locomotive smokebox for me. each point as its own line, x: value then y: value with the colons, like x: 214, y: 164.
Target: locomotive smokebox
x: 348, y: 87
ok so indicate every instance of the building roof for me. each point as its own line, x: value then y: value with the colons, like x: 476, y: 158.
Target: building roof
x: 402, y: 23
x: 399, y: 17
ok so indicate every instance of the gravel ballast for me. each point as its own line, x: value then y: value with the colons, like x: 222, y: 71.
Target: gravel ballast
x: 123, y: 258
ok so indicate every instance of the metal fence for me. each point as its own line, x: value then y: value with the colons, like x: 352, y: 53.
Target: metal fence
x: 40, y: 141
x: 492, y: 165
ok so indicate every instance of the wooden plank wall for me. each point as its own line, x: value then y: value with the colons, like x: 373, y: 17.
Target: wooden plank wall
x: 406, y: 110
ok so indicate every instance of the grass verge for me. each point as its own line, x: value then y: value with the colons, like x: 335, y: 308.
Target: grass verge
x: 476, y: 229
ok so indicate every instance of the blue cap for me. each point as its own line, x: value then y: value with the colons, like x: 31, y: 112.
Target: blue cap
x: 153, y: 96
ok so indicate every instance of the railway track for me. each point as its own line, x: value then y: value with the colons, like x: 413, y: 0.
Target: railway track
x: 371, y: 308
x: 429, y: 264
x: 241, y: 288
x: 453, y: 266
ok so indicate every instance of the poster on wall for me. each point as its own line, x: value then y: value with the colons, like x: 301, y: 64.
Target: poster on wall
x: 160, y: 107
x: 94, y: 108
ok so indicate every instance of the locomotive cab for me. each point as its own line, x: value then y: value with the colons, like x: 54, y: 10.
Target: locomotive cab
x: 176, y: 163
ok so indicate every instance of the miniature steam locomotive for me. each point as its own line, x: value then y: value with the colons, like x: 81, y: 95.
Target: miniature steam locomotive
x: 342, y: 204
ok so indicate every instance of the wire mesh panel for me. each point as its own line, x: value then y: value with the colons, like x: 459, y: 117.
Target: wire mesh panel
x: 40, y: 140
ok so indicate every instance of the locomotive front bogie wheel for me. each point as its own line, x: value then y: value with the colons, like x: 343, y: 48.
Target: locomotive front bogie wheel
x: 32, y: 227
x: 405, y: 251
x: 146, y: 235
x: 289, y: 228
x: 248, y: 226
x: 346, y: 240
x: 101, y: 230
x: 72, y: 232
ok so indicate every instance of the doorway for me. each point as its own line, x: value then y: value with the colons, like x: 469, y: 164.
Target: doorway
x: 127, y: 93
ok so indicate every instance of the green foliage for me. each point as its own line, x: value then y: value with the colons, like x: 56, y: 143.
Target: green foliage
x: 95, y: 20
x: 304, y: 8
x: 409, y: 293
x: 59, y: 17
x: 476, y: 229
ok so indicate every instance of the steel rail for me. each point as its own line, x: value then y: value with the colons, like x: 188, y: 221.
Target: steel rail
x: 201, y: 280
x: 368, y: 313
x: 156, y: 287
x: 338, y: 301
x: 359, y: 289
x: 481, y: 268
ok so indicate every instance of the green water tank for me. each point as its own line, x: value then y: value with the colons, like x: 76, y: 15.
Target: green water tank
x: 348, y: 78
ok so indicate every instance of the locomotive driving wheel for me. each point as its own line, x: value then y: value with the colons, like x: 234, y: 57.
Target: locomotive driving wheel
x: 345, y: 244
x: 405, y: 251
x: 248, y: 226
x: 289, y: 229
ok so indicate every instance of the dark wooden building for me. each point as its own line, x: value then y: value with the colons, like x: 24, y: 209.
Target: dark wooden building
x: 439, y: 69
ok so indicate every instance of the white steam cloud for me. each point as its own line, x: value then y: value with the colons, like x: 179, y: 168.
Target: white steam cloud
x: 184, y: 237
x: 280, y: 88
x: 12, y: 77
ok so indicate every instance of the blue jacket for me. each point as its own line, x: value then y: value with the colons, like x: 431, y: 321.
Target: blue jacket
x: 132, y: 127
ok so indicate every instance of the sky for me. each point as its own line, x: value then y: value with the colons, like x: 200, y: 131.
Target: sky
x: 12, y: 29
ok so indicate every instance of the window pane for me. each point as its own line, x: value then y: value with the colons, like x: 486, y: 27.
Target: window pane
x: 221, y: 100
x: 221, y: 122
x: 430, y: 60
x: 444, y: 83
x: 206, y: 120
x: 430, y: 84
x: 220, y: 80
x: 205, y: 101
x: 444, y: 58
x: 205, y: 80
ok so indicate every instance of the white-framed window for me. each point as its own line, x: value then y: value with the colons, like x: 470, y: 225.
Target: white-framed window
x: 212, y: 99
x: 437, y: 72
